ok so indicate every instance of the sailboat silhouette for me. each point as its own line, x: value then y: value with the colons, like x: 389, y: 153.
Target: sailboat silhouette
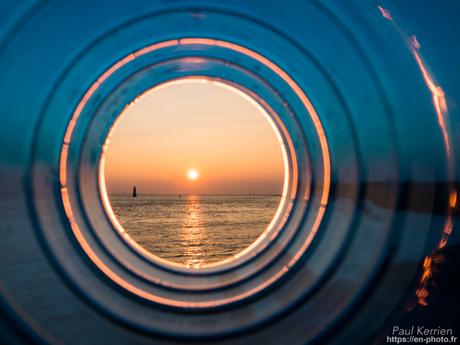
x: 134, y: 192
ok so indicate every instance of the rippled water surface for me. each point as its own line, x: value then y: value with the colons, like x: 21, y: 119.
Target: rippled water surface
x: 194, y: 229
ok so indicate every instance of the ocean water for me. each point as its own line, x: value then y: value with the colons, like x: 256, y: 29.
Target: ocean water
x: 194, y: 229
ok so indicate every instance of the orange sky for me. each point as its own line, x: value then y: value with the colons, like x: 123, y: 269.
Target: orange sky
x: 194, y: 125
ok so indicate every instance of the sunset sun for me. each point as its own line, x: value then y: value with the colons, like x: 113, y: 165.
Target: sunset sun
x: 192, y: 174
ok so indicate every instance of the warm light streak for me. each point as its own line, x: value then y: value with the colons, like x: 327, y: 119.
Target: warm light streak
x: 439, y: 100
x: 438, y: 96
x: 414, y: 42
x: 440, y: 107
x: 385, y: 13
x: 453, y: 199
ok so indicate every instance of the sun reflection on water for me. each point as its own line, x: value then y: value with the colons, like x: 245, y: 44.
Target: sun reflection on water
x: 192, y: 233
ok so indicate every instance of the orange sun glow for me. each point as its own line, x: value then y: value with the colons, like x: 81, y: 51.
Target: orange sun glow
x: 192, y: 174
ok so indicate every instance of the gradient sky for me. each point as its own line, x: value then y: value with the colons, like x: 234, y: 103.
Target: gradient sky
x: 194, y: 125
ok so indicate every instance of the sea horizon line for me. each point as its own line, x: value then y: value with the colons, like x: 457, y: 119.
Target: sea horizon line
x: 217, y: 194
